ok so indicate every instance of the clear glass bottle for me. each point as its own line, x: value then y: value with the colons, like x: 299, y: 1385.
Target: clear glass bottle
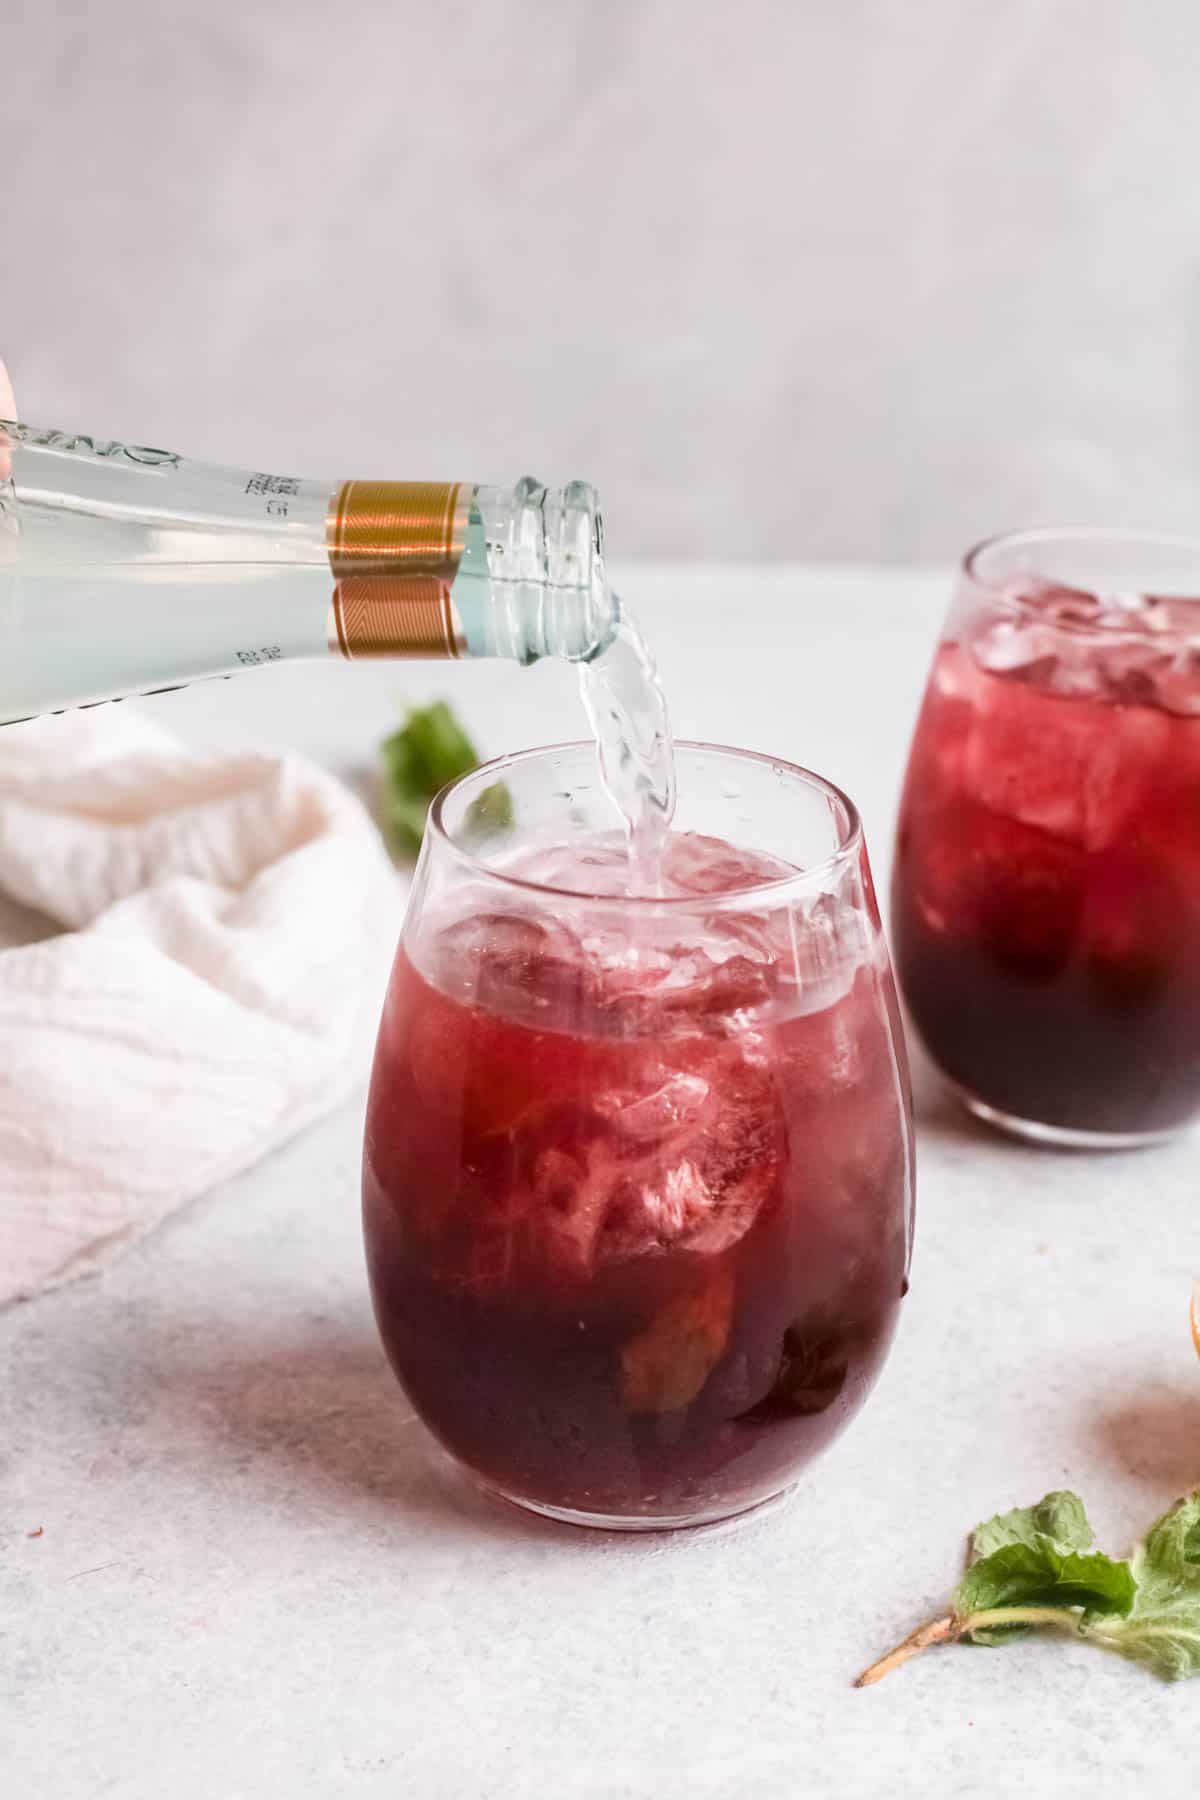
x: 125, y: 569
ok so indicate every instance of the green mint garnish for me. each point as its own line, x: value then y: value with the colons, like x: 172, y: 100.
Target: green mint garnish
x: 1163, y: 1629
x: 430, y: 749
x: 1059, y: 1517
x: 490, y: 813
x: 1035, y: 1567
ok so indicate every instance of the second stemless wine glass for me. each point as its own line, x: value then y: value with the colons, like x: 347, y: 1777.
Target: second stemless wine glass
x: 1046, y: 892
x: 637, y: 1172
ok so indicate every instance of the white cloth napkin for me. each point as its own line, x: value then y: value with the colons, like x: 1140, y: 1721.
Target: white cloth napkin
x: 225, y: 924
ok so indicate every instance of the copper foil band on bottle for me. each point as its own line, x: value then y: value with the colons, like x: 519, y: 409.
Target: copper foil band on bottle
x: 394, y: 550
x: 394, y: 615
x: 398, y: 528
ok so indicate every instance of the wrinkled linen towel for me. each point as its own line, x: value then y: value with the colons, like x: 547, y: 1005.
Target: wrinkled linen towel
x: 224, y: 924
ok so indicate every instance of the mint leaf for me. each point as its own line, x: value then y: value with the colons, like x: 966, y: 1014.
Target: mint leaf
x: 1163, y: 1629
x: 490, y: 813
x: 1034, y: 1567
x: 429, y: 750
x: 1033, y: 1556
x: 1168, y: 1557
x: 1040, y: 1574
x: 1059, y: 1516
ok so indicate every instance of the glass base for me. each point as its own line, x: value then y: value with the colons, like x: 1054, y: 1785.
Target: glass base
x: 1063, y: 1137
x: 713, y: 1519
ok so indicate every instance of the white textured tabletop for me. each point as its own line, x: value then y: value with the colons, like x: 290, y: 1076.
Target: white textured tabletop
x: 251, y: 1580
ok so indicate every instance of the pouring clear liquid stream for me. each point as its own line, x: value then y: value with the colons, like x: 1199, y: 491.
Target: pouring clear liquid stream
x: 627, y: 709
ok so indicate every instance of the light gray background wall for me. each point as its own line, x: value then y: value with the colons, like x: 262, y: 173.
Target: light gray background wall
x: 825, y: 278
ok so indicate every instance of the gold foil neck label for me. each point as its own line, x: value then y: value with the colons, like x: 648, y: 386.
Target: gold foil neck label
x: 385, y: 615
x: 394, y: 549
x: 398, y: 528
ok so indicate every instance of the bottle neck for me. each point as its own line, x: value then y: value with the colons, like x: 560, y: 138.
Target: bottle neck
x: 427, y: 569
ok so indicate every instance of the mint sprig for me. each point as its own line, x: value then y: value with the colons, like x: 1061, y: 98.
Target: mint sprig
x: 1035, y: 1567
x: 430, y: 749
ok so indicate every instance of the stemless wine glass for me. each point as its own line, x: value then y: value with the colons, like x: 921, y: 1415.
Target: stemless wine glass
x: 1046, y: 894
x: 637, y: 1171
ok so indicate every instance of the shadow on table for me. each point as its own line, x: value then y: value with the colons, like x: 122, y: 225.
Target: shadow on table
x: 304, y: 1416
x: 314, y: 1412
x: 1154, y: 1436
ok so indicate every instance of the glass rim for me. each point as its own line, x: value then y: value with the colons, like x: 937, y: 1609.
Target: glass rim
x: 1091, y: 535
x: 848, y: 847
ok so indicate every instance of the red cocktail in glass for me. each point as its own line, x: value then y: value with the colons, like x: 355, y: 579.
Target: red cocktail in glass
x: 1046, y: 894
x: 637, y: 1173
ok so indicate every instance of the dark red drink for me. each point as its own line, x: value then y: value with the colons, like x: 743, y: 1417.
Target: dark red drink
x: 637, y: 1215
x: 1046, y: 894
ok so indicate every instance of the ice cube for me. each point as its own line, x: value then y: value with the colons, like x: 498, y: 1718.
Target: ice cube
x: 954, y: 676
x: 656, y: 1208
x: 650, y: 1117
x: 686, y: 1165
x: 829, y: 946
x: 508, y: 962
x: 736, y: 1203
x: 685, y: 987
x: 681, y: 1155
x: 935, y: 763
x: 1177, y: 684
x: 720, y: 991
x: 628, y: 987
x: 501, y: 936
x: 1073, y: 769
x: 595, y: 865
x: 1076, y: 645
x: 1072, y: 609
x: 697, y: 864
x: 1020, y: 647
x: 822, y: 1047
x: 1129, y: 672
x: 567, y: 1212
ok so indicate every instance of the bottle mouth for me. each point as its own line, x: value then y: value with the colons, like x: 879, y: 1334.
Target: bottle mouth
x: 607, y: 614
